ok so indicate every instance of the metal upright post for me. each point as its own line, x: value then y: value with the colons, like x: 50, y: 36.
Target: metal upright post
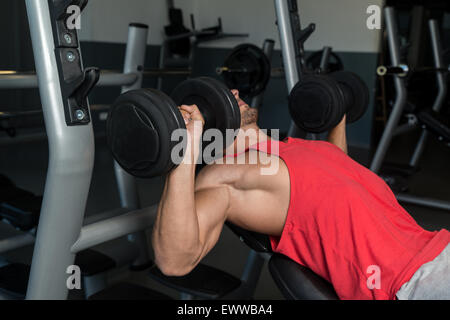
x: 268, y: 50
x: 442, y: 86
x: 129, y: 197
x: 134, y: 62
x: 71, y: 160
x: 438, y: 63
x: 287, y: 43
x: 288, y: 50
x: 397, y: 110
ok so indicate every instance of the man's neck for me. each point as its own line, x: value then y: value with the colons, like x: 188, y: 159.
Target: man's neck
x: 247, y: 136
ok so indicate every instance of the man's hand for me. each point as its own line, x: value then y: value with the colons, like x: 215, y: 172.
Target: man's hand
x: 190, y: 115
x: 337, y: 135
x: 194, y: 122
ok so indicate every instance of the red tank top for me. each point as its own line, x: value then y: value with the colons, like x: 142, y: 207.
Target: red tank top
x: 344, y: 222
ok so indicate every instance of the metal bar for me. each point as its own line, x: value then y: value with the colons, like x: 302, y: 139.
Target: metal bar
x: 71, y: 161
x: 16, y: 242
x: 288, y: 51
x: 29, y: 81
x: 134, y: 62
x: 416, y: 35
x: 400, y: 101
x: 118, y: 79
x: 167, y: 72
x: 4, y: 115
x: 25, y: 239
x: 442, y: 87
x: 104, y: 215
x: 427, y: 202
x: 18, y: 81
x: 206, y: 35
x: 324, y: 60
x: 113, y: 228
x: 23, y: 138
x: 268, y: 50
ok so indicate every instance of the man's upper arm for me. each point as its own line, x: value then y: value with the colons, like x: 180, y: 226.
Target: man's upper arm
x: 211, y: 205
x: 240, y: 194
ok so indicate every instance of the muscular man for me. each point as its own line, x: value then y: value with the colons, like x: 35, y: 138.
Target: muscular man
x: 320, y: 208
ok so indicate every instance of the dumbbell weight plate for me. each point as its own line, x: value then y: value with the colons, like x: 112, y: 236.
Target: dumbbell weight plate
x: 316, y: 103
x: 358, y: 91
x: 214, y: 100
x: 254, y: 60
x: 232, y: 104
x: 139, y: 128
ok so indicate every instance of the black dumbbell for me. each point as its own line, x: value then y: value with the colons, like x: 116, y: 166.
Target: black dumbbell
x: 140, y: 123
x: 318, y: 102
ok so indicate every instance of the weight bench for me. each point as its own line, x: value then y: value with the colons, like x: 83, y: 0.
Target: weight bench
x: 295, y: 282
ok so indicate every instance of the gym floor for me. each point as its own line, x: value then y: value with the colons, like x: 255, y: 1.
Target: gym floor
x: 26, y: 165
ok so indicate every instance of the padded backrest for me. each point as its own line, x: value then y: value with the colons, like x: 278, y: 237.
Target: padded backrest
x: 294, y: 281
x: 297, y: 282
x: 256, y: 241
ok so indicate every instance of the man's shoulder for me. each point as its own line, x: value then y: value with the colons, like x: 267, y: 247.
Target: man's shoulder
x: 221, y: 172
x: 252, y: 167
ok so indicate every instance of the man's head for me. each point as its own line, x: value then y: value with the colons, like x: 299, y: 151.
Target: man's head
x: 248, y: 115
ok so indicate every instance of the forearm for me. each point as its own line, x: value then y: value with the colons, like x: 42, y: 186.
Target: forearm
x: 176, y: 231
x: 176, y: 236
x: 338, y: 137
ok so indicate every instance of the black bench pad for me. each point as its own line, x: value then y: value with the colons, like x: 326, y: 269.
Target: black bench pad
x: 297, y: 282
x: 256, y: 241
x: 204, y: 282
x: 128, y: 291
